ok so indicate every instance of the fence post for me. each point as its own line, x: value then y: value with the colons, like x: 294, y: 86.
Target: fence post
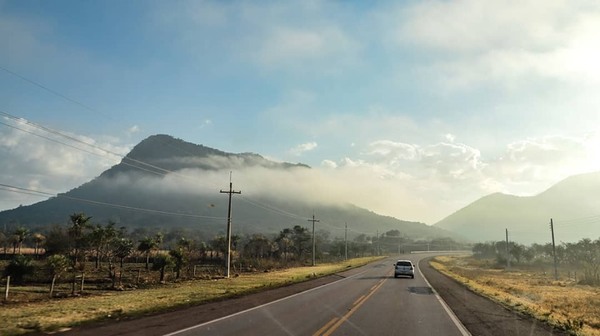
x: 7, y: 288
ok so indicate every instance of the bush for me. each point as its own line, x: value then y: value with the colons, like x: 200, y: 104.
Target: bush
x: 18, y: 268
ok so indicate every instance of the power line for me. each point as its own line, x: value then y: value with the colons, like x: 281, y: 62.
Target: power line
x: 58, y: 94
x: 132, y: 162
x: 119, y: 206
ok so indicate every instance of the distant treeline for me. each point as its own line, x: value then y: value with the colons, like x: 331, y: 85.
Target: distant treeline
x: 580, y: 260
x: 81, y: 244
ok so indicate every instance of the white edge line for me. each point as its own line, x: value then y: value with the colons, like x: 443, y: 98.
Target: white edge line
x: 461, y: 327
x: 263, y: 305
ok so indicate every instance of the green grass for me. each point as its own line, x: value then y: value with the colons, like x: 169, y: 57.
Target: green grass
x: 52, y: 315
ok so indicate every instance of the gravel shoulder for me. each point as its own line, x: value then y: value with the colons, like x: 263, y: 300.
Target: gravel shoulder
x: 480, y: 315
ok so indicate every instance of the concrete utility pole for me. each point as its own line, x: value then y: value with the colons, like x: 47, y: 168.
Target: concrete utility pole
x: 507, y: 253
x: 377, y: 242
x: 346, y: 241
x: 313, y: 220
x: 554, y: 250
x: 228, y: 258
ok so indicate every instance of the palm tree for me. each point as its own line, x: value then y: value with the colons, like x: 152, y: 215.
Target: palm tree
x: 122, y: 248
x: 57, y: 264
x: 161, y: 262
x: 180, y: 259
x: 100, y: 238
x: 38, y: 239
x: 19, y: 267
x: 79, y: 240
x: 146, y: 246
x: 20, y: 234
x: 79, y: 224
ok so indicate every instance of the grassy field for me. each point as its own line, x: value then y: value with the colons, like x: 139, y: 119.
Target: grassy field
x: 562, y: 303
x: 50, y: 315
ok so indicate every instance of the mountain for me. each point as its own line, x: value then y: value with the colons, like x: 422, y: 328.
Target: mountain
x: 573, y: 204
x: 166, y: 183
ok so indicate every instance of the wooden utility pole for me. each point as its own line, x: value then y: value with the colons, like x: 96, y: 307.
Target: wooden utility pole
x: 313, y: 220
x: 554, y: 250
x: 228, y: 258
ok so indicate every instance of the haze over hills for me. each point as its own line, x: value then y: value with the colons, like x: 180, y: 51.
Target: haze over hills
x: 169, y: 183
x: 573, y: 204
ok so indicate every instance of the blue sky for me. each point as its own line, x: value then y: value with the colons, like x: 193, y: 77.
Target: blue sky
x: 412, y: 109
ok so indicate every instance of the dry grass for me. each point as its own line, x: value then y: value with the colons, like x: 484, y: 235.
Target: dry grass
x: 56, y: 314
x: 563, y: 303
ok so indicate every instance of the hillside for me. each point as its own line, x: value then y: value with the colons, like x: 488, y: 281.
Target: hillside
x: 169, y: 183
x: 572, y: 204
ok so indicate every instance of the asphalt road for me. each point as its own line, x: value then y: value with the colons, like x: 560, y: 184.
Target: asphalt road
x: 368, y: 302
x: 362, y: 301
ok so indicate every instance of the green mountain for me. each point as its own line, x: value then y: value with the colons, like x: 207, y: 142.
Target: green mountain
x: 169, y: 183
x: 573, y: 205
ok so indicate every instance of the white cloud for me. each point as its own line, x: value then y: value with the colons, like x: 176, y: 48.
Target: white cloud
x: 329, y: 164
x: 302, y: 148
x: 530, y: 165
x: 290, y: 47
x: 40, y: 164
x: 133, y: 129
x: 477, y: 41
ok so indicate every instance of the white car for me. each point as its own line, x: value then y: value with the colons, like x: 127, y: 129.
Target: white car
x: 404, y: 267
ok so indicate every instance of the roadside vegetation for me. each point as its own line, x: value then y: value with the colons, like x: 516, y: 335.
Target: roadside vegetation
x: 569, y: 301
x: 98, y: 304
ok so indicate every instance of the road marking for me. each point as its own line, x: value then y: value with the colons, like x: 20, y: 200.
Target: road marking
x: 325, y: 327
x: 463, y: 330
x: 355, y: 307
x: 357, y: 300
x: 262, y: 305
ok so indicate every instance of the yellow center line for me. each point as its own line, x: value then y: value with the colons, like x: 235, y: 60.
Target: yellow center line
x: 325, y: 327
x: 356, y: 305
x: 357, y: 300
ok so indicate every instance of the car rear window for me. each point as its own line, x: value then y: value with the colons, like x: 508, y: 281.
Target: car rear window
x: 403, y: 263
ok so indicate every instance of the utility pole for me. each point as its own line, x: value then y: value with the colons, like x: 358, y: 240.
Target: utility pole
x: 554, y: 250
x: 228, y: 258
x: 378, y: 242
x: 313, y: 220
x: 346, y: 241
x: 507, y: 253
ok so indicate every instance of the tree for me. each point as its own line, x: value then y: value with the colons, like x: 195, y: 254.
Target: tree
x: 284, y: 242
x: 3, y: 241
x: 258, y: 246
x: 300, y: 238
x: 79, y: 241
x: 180, y: 258
x: 149, y: 244
x: 219, y: 245
x: 20, y: 234
x: 161, y: 262
x: 19, y: 267
x: 78, y: 236
x: 57, y: 264
x: 100, y: 239
x: 122, y: 248
x: 38, y: 240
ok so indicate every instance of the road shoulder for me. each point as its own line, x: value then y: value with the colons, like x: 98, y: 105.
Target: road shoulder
x: 480, y: 315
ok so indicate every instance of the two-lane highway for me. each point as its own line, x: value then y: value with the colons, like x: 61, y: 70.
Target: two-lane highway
x: 369, y: 301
